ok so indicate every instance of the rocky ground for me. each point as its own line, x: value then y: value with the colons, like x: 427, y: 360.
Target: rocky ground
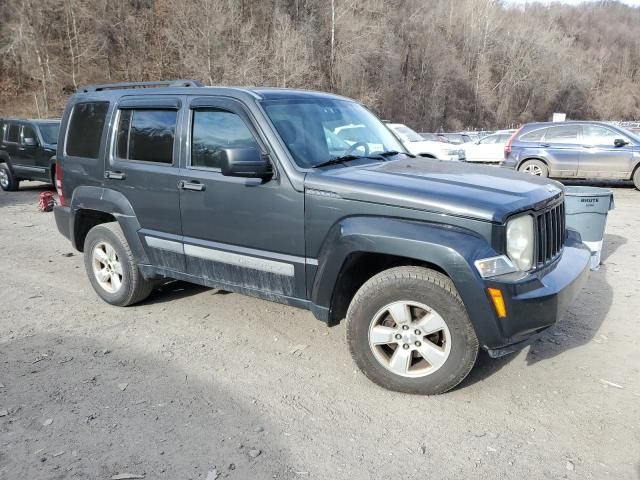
x: 198, y: 384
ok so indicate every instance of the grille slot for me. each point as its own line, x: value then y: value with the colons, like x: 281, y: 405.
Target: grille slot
x: 550, y: 234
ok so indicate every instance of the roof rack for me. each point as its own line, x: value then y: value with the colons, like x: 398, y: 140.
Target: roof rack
x: 117, y: 86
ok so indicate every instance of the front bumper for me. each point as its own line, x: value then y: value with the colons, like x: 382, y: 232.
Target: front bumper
x: 537, y: 300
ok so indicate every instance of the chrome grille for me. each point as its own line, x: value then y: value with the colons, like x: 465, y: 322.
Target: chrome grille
x: 550, y: 234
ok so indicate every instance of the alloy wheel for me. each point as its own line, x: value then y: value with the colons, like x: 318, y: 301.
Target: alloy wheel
x: 4, y: 178
x: 533, y: 169
x: 107, y: 267
x: 409, y: 339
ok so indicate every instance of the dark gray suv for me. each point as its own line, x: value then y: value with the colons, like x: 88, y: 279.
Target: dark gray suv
x: 27, y: 149
x: 575, y: 150
x: 253, y: 191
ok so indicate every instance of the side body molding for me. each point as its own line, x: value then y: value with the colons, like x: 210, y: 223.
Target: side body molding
x: 115, y: 203
x: 451, y: 249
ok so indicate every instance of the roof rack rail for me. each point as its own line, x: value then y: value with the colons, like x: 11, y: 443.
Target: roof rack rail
x: 123, y: 85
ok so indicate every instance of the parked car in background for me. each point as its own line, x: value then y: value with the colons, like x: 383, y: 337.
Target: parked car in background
x: 27, y: 151
x: 473, y: 136
x: 417, y: 145
x: 428, y: 261
x: 489, y: 149
x: 575, y: 150
x: 453, y: 138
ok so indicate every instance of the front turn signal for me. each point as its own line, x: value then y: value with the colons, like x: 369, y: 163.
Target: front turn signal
x: 498, y: 302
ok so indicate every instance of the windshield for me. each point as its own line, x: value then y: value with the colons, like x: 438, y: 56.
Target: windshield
x: 49, y: 132
x: 429, y: 136
x: 409, y: 134
x: 316, y: 130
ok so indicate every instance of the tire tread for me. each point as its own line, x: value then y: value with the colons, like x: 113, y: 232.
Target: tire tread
x: 392, y: 275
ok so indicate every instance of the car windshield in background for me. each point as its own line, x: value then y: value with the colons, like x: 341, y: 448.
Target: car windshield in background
x: 318, y: 130
x: 429, y: 136
x: 49, y: 132
x: 409, y: 134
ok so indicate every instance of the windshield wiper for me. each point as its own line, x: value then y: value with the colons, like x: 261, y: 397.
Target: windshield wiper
x: 391, y: 153
x: 336, y: 160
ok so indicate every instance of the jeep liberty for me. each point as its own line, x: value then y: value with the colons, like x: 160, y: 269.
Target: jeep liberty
x: 27, y: 151
x: 251, y: 190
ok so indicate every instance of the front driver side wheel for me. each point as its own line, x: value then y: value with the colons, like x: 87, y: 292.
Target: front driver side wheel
x: 636, y: 178
x: 409, y: 331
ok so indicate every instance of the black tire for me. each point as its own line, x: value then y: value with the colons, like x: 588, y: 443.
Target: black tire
x: 536, y: 165
x: 8, y: 182
x: 636, y: 178
x: 424, y: 286
x: 133, y: 286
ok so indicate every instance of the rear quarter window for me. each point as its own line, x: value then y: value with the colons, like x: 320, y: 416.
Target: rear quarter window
x: 533, y: 136
x: 85, y: 129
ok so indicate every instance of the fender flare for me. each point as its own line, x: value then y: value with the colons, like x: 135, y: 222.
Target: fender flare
x: 531, y: 157
x: 453, y: 250
x: 114, y: 203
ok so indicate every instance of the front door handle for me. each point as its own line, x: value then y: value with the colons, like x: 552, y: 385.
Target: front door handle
x: 115, y: 175
x: 587, y: 146
x: 194, y: 186
x: 545, y: 145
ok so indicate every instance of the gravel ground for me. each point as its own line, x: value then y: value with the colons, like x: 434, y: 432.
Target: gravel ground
x: 198, y: 384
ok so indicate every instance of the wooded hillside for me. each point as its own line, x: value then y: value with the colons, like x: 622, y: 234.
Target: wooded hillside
x: 448, y: 64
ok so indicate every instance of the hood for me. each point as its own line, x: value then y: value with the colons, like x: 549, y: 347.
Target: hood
x: 453, y: 188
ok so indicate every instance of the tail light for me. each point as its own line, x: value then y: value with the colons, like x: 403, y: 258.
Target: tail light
x: 59, y: 184
x: 507, y: 147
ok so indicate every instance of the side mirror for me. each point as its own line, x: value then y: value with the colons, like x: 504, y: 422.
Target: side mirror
x: 620, y: 142
x: 244, y: 162
x: 29, y: 141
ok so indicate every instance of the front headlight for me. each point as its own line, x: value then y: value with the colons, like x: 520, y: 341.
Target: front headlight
x: 520, y: 241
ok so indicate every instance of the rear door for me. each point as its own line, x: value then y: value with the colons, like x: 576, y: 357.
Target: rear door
x: 143, y: 165
x: 10, y: 143
x: 600, y: 158
x: 561, y: 148
x: 245, y: 232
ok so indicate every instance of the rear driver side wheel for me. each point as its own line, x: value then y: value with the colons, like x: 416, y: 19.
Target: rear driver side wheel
x: 534, y: 167
x: 8, y: 182
x: 111, y: 266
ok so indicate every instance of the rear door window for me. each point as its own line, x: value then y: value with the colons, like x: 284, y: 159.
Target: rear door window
x: 562, y: 134
x: 13, y: 133
x: 85, y: 129
x: 146, y: 135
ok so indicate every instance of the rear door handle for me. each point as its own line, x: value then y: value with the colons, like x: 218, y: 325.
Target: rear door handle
x: 115, y: 175
x: 194, y: 186
x: 587, y: 146
x: 545, y: 145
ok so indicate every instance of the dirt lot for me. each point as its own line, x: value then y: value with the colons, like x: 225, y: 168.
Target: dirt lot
x: 198, y: 384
